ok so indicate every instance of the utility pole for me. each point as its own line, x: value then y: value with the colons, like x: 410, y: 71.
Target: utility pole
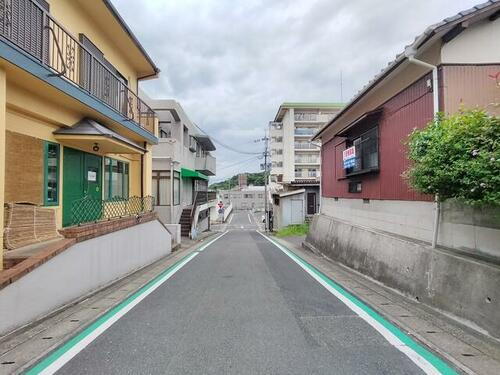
x: 266, y: 154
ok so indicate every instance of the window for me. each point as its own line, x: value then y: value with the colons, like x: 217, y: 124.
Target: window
x: 366, y: 148
x: 311, y: 173
x: 298, y: 172
x: 248, y: 196
x: 261, y: 196
x: 354, y: 187
x: 116, y: 179
x: 161, y: 188
x: 278, y: 151
x: 165, y: 129
x: 185, y: 137
x: 277, y: 139
x: 51, y: 180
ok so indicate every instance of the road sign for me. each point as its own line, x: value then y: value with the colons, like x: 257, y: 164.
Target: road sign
x: 220, y: 204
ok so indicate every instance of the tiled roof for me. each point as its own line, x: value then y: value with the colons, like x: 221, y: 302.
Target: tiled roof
x: 446, y: 24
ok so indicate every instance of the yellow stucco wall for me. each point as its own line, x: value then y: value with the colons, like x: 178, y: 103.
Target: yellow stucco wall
x: 76, y: 20
x: 3, y: 86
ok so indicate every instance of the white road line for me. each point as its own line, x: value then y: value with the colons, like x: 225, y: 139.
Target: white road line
x: 250, y: 220
x: 420, y: 361
x: 85, y: 341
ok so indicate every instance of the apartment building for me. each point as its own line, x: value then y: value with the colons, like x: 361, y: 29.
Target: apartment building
x: 75, y: 149
x: 295, y: 160
x: 182, y: 164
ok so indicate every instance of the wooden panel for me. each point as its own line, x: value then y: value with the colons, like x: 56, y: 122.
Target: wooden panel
x: 24, y: 177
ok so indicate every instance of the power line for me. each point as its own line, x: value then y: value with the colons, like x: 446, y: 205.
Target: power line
x: 240, y: 162
x: 226, y: 146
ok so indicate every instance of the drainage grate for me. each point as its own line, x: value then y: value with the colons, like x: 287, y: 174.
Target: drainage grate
x: 47, y: 338
x: 8, y: 363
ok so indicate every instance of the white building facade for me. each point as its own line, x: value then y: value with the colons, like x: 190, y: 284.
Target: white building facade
x: 295, y: 160
x: 182, y: 164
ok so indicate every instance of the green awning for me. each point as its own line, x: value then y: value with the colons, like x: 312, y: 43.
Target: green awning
x: 188, y: 173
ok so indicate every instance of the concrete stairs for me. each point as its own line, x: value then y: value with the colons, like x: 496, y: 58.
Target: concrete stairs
x: 185, y: 222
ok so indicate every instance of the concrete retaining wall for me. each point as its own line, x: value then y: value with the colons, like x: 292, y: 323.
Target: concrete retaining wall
x: 473, y: 230
x: 175, y: 231
x: 465, y: 287
x: 84, y: 267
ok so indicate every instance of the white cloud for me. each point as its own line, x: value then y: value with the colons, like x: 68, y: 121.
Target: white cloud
x: 231, y: 63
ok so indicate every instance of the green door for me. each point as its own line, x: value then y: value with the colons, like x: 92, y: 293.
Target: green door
x: 82, y: 176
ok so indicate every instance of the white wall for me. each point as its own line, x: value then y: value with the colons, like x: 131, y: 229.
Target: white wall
x: 477, y: 44
x: 81, y: 269
x: 415, y: 220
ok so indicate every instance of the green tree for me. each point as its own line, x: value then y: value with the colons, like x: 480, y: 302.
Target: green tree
x: 457, y: 157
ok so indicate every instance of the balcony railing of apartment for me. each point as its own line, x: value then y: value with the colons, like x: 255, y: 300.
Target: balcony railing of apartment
x: 305, y: 146
x: 304, y: 174
x: 305, y: 160
x: 305, y: 131
x: 28, y: 26
x: 305, y: 116
x: 89, y: 209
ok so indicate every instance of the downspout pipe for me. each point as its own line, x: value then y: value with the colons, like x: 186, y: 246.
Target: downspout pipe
x: 410, y: 54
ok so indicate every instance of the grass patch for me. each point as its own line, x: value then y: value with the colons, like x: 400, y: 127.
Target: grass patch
x: 293, y: 230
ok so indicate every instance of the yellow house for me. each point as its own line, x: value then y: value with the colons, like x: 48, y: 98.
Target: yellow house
x: 72, y: 127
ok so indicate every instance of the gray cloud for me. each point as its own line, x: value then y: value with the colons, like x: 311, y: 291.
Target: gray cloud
x: 231, y: 63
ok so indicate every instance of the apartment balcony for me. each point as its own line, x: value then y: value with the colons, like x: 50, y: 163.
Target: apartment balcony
x: 168, y: 148
x: 307, y: 161
x: 31, y: 39
x: 305, y: 132
x: 206, y: 164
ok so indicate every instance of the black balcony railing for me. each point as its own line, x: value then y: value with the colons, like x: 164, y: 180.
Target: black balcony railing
x: 27, y: 25
x: 88, y: 209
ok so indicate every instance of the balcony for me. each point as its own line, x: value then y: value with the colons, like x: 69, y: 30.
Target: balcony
x: 206, y: 164
x: 31, y: 29
x: 305, y: 117
x: 168, y: 148
x: 305, y: 132
x: 306, y: 160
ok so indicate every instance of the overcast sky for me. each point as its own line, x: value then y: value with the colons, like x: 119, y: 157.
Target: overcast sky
x: 231, y: 63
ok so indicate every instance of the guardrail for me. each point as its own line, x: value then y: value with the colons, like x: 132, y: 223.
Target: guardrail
x: 28, y: 26
x: 88, y: 209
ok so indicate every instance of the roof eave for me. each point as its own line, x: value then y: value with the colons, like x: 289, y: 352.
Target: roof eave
x: 134, y: 39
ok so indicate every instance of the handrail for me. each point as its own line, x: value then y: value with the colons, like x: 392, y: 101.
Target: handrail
x: 73, y: 61
x: 59, y: 51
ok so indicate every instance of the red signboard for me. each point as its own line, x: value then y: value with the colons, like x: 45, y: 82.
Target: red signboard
x: 349, y: 153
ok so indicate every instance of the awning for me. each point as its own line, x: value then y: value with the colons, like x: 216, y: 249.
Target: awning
x: 205, y: 142
x: 189, y: 173
x: 88, y: 135
x: 368, y: 116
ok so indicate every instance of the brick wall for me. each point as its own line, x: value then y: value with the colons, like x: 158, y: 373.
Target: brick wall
x: 24, y: 174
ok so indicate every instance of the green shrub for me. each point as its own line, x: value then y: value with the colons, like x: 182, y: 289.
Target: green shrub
x: 457, y: 157
x: 293, y: 230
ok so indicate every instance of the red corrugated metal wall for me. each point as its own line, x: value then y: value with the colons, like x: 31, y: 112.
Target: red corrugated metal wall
x: 409, y: 109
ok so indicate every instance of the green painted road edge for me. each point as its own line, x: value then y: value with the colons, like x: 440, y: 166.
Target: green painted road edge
x: 433, y: 359
x: 57, y: 353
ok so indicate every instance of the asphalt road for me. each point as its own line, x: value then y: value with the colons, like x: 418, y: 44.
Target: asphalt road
x: 241, y: 306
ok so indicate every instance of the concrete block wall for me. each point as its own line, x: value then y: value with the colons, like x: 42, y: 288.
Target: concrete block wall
x: 457, y: 284
x: 81, y: 269
x: 469, y: 229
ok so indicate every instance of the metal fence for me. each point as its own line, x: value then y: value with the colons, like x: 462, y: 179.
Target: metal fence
x: 30, y: 27
x: 88, y: 209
